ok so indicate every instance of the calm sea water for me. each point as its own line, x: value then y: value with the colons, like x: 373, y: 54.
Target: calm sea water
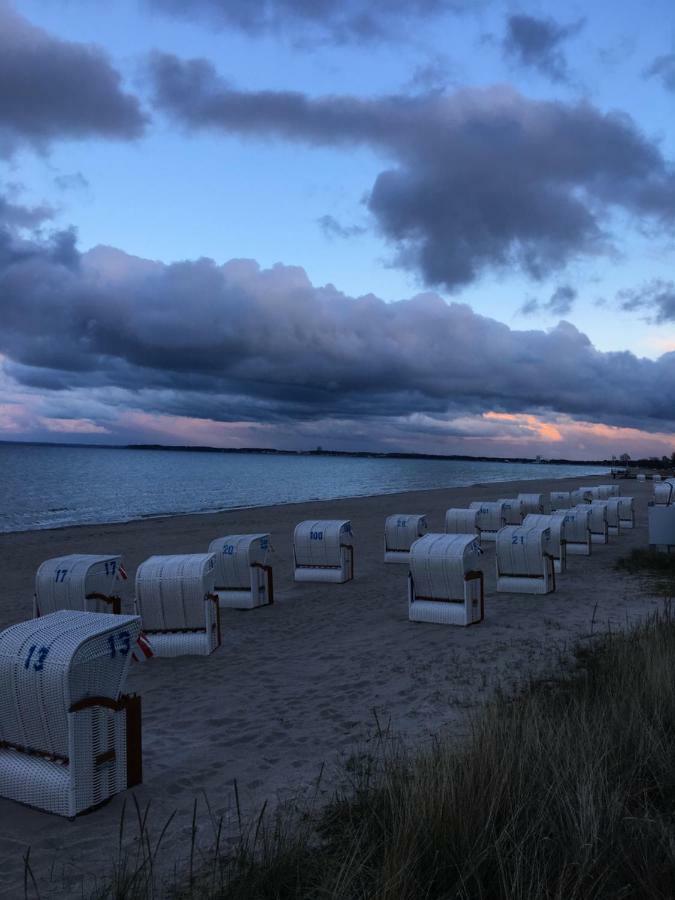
x: 44, y: 487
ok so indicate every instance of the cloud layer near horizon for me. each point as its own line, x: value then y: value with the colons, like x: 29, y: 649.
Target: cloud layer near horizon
x: 482, y: 179
x: 240, y: 343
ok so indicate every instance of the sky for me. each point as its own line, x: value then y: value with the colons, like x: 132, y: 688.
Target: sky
x: 435, y: 226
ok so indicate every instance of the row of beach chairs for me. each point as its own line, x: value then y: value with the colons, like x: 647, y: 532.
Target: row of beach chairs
x: 70, y: 738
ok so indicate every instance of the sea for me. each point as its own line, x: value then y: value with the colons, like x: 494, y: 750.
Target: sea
x: 49, y: 486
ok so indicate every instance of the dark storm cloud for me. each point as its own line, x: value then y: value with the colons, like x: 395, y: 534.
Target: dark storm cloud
x: 480, y: 179
x: 536, y: 42
x: 268, y: 346
x: 335, y: 20
x: 656, y: 299
x: 663, y: 68
x: 334, y: 229
x: 50, y: 88
x: 560, y: 302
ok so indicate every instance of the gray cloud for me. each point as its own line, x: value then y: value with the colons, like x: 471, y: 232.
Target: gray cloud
x: 50, y: 88
x: 334, y: 229
x: 335, y: 20
x: 74, y: 181
x: 663, y: 68
x: 479, y: 179
x: 656, y: 298
x: 267, y: 346
x: 560, y: 302
x: 536, y: 42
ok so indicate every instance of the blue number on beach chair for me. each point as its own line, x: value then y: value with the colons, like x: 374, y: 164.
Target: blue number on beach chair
x: 316, y: 535
x: 60, y: 575
x: 228, y: 549
x: 41, y: 656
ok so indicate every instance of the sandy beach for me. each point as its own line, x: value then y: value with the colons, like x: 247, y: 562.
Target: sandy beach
x: 299, y: 685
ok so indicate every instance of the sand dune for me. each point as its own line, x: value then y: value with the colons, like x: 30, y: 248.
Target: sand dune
x: 299, y: 684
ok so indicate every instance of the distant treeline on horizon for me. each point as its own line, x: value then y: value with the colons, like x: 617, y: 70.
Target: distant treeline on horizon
x: 646, y: 462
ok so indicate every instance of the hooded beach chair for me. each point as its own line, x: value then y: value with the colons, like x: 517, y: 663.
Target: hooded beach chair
x: 560, y: 500
x: 490, y: 517
x: 656, y: 477
x: 581, y: 495
x: 532, y: 503
x: 400, y: 531
x: 462, y: 521
x: 605, y: 491
x: 323, y: 550
x: 641, y: 476
x: 243, y: 580
x: 69, y: 738
x: 613, y: 514
x: 558, y: 544
x: 80, y: 581
x: 576, y: 529
x: 176, y: 599
x: 524, y: 561
x: 514, y: 510
x: 445, y: 583
x: 664, y: 492
x: 597, y: 521
x: 627, y: 511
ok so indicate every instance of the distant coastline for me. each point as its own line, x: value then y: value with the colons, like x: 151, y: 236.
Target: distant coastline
x: 355, y: 454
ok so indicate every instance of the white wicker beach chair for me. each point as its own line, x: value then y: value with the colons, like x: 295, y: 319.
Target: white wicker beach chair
x: 577, y: 531
x: 176, y: 599
x: 462, y: 521
x: 323, y: 550
x: 560, y: 500
x: 524, y: 561
x: 79, y: 581
x: 69, y: 738
x: 656, y: 477
x: 445, y: 583
x: 597, y: 522
x: 605, y: 491
x: 558, y: 544
x: 490, y: 519
x: 627, y: 511
x: 612, y: 506
x: 400, y: 531
x: 243, y: 579
x: 664, y: 492
x: 581, y: 495
x: 641, y: 476
x: 514, y: 510
x: 533, y: 503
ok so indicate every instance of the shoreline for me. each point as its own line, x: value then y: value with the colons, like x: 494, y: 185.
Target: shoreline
x: 228, y: 509
x: 295, y: 685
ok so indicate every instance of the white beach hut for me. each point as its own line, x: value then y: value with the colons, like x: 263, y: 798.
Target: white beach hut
x: 176, y: 599
x: 243, y: 580
x: 490, y: 517
x: 577, y: 529
x: 400, y: 531
x: 323, y: 550
x: 627, y: 512
x: 581, y: 495
x: 80, y: 581
x: 558, y: 544
x: 532, y: 503
x: 514, y: 510
x: 560, y: 500
x: 69, y: 738
x: 445, y: 584
x: 524, y: 560
x: 597, y: 522
x: 462, y: 521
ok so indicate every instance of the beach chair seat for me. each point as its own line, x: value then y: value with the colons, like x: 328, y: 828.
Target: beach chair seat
x: 532, y: 503
x: 627, y: 512
x: 524, y: 561
x: 462, y: 521
x: 445, y: 582
x: 79, y: 581
x: 243, y: 580
x: 491, y: 517
x: 400, y: 531
x: 514, y: 510
x: 560, y: 500
x: 576, y: 529
x: 323, y: 551
x: 176, y: 599
x: 597, y: 522
x: 558, y: 544
x: 69, y: 738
